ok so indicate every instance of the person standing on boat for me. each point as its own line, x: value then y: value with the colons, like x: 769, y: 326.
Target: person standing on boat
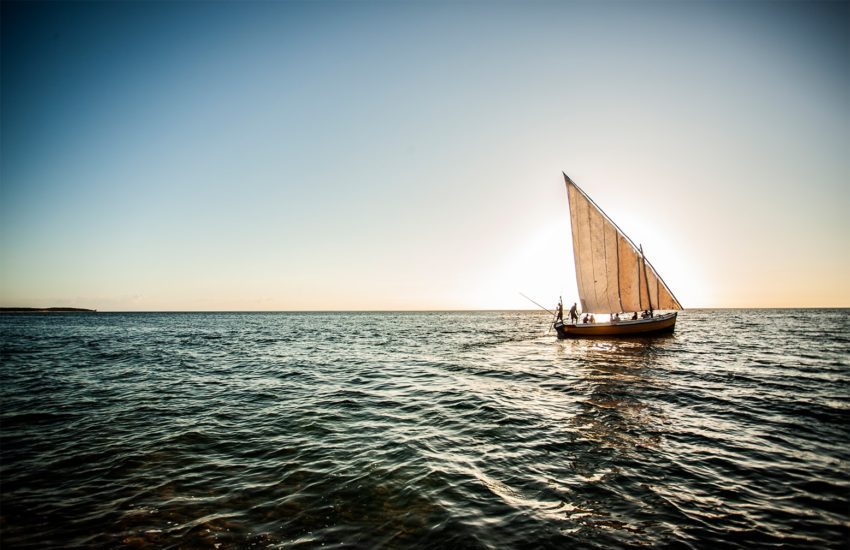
x: 559, y: 317
x: 573, y: 314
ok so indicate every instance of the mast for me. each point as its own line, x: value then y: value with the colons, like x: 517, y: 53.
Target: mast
x: 646, y: 280
x: 661, y: 281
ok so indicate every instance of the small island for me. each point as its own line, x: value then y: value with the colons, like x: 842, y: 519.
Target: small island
x: 46, y: 310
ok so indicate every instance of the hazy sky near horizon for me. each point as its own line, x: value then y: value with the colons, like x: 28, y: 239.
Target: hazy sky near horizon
x: 388, y: 155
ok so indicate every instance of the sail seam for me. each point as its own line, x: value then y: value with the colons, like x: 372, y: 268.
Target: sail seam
x: 605, y: 253
x: 576, y: 239
x: 580, y: 235
x: 619, y: 282
x: 592, y: 259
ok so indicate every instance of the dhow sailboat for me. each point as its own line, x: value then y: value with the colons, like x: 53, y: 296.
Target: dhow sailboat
x: 613, y: 278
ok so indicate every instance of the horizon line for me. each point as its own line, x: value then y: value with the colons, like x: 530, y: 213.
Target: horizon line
x: 27, y: 309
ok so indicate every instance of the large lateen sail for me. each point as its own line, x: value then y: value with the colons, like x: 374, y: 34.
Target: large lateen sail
x: 612, y: 274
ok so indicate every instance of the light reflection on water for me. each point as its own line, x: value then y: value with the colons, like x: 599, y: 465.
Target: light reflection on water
x: 422, y: 429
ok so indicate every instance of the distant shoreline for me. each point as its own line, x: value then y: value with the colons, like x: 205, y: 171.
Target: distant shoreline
x: 46, y: 310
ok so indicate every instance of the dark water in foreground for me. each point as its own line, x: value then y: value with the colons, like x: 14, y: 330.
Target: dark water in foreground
x: 423, y: 429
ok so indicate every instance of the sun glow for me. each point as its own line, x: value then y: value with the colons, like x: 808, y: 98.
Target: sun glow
x: 540, y: 266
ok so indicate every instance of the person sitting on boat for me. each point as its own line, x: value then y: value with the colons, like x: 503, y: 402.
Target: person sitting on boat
x: 585, y: 318
x: 573, y: 314
x: 592, y: 318
x: 634, y: 317
x: 615, y: 317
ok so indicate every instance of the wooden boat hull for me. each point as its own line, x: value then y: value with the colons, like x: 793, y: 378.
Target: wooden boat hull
x: 660, y: 324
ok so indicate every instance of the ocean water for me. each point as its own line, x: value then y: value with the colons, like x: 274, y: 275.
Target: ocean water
x: 423, y: 430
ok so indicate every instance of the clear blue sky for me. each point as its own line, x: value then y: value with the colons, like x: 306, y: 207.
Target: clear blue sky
x: 382, y: 155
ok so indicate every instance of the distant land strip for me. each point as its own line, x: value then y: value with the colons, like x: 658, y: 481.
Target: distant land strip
x: 46, y: 310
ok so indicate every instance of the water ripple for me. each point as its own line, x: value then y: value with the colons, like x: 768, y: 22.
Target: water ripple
x: 470, y: 430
